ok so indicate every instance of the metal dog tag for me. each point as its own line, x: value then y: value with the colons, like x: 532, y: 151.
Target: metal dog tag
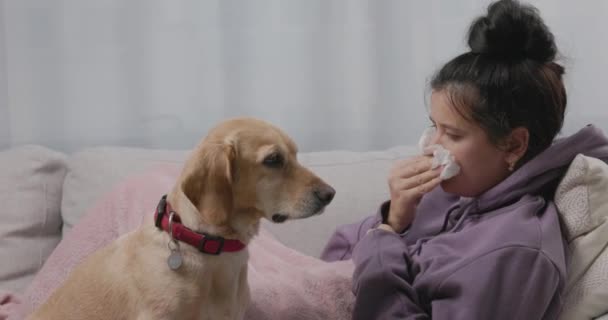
x: 175, y: 260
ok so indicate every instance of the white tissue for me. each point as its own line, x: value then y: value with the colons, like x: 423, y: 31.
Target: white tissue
x: 441, y: 156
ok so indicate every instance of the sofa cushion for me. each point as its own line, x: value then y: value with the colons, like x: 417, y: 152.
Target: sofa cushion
x: 582, y: 200
x: 30, y: 194
x: 93, y: 172
x: 358, y: 177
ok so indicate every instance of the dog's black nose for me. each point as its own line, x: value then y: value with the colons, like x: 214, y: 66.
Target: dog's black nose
x: 325, y: 194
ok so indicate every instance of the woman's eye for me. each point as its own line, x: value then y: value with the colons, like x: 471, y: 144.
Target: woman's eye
x: 273, y: 160
x: 453, y: 136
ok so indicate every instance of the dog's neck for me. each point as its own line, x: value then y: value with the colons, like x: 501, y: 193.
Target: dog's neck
x: 243, y: 231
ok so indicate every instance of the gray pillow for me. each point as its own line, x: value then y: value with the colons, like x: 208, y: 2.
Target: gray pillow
x: 31, y: 179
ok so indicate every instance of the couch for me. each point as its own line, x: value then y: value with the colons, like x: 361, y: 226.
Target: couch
x: 44, y: 193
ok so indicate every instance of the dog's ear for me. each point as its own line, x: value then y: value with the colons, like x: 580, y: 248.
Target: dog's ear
x: 208, y: 183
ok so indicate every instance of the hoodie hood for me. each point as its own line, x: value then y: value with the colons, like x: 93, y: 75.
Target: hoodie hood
x: 542, y: 173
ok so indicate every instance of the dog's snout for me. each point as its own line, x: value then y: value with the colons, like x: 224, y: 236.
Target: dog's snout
x: 325, y: 194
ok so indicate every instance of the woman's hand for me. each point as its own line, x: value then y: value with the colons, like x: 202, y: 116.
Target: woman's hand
x: 408, y: 181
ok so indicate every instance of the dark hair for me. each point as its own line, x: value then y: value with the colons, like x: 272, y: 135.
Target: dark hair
x: 509, y: 78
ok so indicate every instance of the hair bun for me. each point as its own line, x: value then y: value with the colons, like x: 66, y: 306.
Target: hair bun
x: 512, y: 31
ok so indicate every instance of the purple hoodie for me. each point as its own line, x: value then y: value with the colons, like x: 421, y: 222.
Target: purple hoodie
x: 497, y: 256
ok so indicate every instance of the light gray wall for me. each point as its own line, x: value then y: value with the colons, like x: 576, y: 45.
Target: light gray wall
x: 342, y: 74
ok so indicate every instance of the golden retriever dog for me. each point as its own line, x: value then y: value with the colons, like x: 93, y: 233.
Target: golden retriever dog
x: 244, y: 170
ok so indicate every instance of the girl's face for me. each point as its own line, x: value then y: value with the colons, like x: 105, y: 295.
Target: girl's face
x: 482, y: 164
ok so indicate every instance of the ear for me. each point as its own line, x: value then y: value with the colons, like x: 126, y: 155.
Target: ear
x: 208, y: 182
x: 516, y: 145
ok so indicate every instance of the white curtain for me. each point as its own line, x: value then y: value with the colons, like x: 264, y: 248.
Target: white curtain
x: 335, y: 74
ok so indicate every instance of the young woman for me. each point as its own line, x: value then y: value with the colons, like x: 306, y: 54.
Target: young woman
x: 485, y: 244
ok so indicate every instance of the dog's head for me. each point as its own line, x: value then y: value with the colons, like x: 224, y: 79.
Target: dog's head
x: 246, y: 169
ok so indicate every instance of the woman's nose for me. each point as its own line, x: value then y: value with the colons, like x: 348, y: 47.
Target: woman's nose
x: 435, y: 138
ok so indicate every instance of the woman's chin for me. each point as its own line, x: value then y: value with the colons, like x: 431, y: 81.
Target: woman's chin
x: 448, y: 186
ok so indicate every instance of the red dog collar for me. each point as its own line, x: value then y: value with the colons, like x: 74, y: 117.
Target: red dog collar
x: 203, y: 242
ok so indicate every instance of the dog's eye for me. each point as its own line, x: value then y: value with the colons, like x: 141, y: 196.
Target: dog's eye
x: 273, y: 160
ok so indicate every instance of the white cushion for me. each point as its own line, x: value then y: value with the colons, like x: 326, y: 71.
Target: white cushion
x: 93, y: 172
x: 582, y: 200
x: 30, y: 193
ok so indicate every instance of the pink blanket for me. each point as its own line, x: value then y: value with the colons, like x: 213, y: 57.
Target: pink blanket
x: 284, y: 284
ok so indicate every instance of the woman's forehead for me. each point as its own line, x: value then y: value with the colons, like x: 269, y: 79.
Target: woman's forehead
x: 443, y: 110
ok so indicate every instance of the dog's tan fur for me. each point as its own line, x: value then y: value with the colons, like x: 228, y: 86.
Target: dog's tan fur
x: 224, y: 189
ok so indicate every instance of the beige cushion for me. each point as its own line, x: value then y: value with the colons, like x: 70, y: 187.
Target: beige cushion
x: 30, y: 193
x: 582, y: 200
x: 358, y: 177
x: 93, y: 172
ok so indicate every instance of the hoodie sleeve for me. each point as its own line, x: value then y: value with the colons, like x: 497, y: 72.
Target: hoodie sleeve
x: 343, y: 240
x: 382, y: 281
x: 509, y: 283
